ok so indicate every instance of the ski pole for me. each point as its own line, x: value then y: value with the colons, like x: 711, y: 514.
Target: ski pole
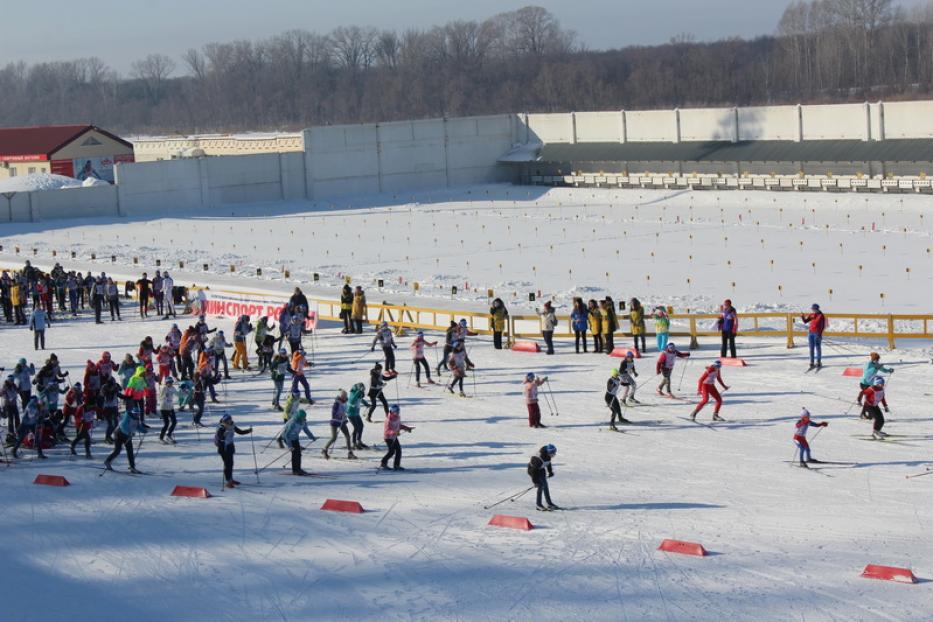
x: 287, y: 451
x: 274, y: 436
x: 927, y: 472
x: 473, y: 376
x: 509, y: 498
x: 252, y: 445
x: 682, y: 372
x: 553, y: 397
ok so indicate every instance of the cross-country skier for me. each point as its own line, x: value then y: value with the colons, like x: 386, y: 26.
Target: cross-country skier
x: 540, y: 469
x: 167, y: 396
x: 354, y: 400
x: 9, y: 399
x: 706, y: 388
x: 224, y: 440
x: 377, y: 382
x: 279, y: 366
x: 530, y: 391
x: 34, y: 415
x: 800, y: 436
x: 299, y: 363
x: 874, y: 400
x: 392, y: 427
x: 872, y: 369
x: 84, y: 424
x: 242, y: 329
x: 612, y: 400
x: 338, y: 423
x: 665, y: 366
x: 450, y: 337
x: 129, y: 424
x: 292, y: 435
x: 627, y: 375
x: 816, y: 325
x: 457, y: 364
x: 418, y: 360
x: 387, y: 342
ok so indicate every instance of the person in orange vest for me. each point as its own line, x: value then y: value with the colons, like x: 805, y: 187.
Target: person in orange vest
x: 706, y: 388
x: 299, y: 363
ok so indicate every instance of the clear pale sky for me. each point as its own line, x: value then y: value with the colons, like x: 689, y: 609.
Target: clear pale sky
x: 120, y: 31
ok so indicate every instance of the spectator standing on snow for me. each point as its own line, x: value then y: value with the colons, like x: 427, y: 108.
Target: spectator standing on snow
x: 548, y: 324
x: 636, y: 316
x: 358, y: 312
x: 144, y: 290
x: 112, y: 293
x: 728, y: 324
x: 578, y: 322
x: 168, y: 295
x: 37, y: 324
x: 498, y: 320
x: 612, y: 321
x: 157, y: 292
x: 346, y: 308
x: 816, y: 325
x: 596, y: 325
x: 662, y: 327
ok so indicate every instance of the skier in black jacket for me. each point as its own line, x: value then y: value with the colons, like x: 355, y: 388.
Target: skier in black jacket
x: 540, y: 469
x: 377, y: 382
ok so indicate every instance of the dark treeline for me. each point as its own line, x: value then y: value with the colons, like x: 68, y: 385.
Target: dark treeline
x: 823, y: 51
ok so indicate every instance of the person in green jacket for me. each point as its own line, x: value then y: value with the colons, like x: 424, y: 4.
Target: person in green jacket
x: 354, y: 401
x: 662, y: 327
x: 636, y: 316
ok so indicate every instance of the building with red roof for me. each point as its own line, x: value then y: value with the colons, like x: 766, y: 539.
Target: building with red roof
x: 78, y: 151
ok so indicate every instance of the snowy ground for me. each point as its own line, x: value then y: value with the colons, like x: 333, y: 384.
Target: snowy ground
x: 681, y: 248
x: 787, y: 544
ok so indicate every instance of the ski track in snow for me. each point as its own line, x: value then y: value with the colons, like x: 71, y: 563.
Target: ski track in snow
x: 786, y: 544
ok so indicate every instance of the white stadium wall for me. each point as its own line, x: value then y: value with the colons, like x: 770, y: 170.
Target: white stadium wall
x: 707, y: 124
x: 907, y: 119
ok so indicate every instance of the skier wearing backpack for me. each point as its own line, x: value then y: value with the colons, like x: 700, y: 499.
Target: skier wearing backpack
x: 224, y: 441
x: 338, y: 423
x: 540, y: 469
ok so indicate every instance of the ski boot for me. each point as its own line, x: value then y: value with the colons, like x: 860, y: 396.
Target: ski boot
x: 716, y: 417
x: 325, y: 454
x: 351, y: 455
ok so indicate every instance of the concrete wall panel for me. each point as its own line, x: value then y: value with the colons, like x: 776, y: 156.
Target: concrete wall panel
x: 835, y: 122
x: 707, y: 124
x: 768, y: 123
x: 651, y: 125
x: 599, y: 127
x: 908, y: 119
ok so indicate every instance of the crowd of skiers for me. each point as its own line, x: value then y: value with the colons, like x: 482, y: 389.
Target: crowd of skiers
x: 184, y: 369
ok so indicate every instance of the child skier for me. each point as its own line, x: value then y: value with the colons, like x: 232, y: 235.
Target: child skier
x: 872, y: 368
x: 665, y: 366
x: 130, y: 422
x: 540, y: 469
x: 457, y: 364
x: 353, y: 414
x: 874, y: 400
x: 418, y: 360
x: 224, y: 440
x: 279, y: 366
x: 377, y: 382
x: 392, y: 427
x: 84, y: 423
x: 627, y: 375
x: 292, y: 434
x: 530, y: 391
x: 34, y: 415
x: 662, y: 327
x: 706, y: 387
x: 385, y: 339
x: 612, y: 400
x: 800, y: 436
x: 298, y: 365
x: 338, y: 423
x: 167, y: 396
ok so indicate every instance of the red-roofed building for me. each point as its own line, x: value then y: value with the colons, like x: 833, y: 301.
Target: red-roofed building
x: 79, y: 151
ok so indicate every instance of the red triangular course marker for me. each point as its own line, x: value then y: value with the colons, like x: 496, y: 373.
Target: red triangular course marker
x: 191, y: 491
x: 620, y: 353
x: 526, y: 346
x: 51, y: 480
x: 511, y: 522
x: 336, y: 505
x: 684, y: 548
x: 855, y: 372
x: 889, y: 573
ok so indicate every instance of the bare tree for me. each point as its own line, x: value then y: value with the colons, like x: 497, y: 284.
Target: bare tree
x: 153, y: 72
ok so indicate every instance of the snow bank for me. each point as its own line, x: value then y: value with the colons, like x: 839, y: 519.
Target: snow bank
x: 38, y: 181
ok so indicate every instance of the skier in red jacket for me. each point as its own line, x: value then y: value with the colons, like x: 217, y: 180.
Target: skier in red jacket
x: 706, y: 388
x: 800, y: 436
